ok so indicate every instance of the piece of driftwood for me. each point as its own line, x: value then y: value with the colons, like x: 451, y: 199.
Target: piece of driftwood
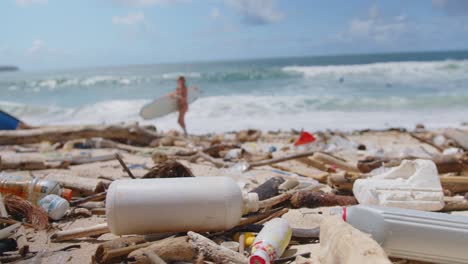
x: 78, y: 160
x: 273, y: 201
x: 331, y: 160
x: 153, y: 258
x: 173, y: 249
x: 269, y: 188
x: 255, y: 218
x: 29, y: 162
x: 3, y: 211
x: 81, y: 186
x: 459, y: 136
x: 302, y: 169
x: 444, y: 163
x: 342, y: 243
x: 9, y: 230
x: 102, y: 251
x: 93, y: 197
x: 133, y: 133
x: 215, y: 150
x: 319, y: 199
x: 425, y: 141
x: 288, y: 185
x: 342, y: 180
x: 124, y: 166
x: 277, y: 160
x: 206, y: 157
x: 455, y: 203
x: 274, y: 215
x: 456, y: 184
x: 214, y: 252
x: 312, y: 162
x: 80, y: 232
x: 98, y: 211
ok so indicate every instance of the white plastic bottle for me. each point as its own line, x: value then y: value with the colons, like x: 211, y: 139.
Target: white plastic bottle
x: 54, y: 205
x: 271, y: 242
x: 198, y: 204
x: 412, y: 234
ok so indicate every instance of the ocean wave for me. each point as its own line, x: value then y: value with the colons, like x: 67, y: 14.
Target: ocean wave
x: 413, y: 71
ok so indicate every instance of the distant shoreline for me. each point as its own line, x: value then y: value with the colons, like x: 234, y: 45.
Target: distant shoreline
x: 8, y: 68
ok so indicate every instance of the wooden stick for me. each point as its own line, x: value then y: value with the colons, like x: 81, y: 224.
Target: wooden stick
x: 329, y: 159
x: 202, y: 155
x: 85, y: 160
x: 280, y: 159
x: 80, y: 232
x: 214, y: 252
x: 81, y: 186
x: 457, y: 135
x: 256, y: 217
x: 133, y: 133
x: 455, y: 203
x: 456, y: 184
x: 29, y: 162
x: 173, y: 249
x: 102, y: 251
x: 153, y: 258
x: 124, y: 166
x: 428, y: 142
x: 94, y: 197
x: 274, y: 215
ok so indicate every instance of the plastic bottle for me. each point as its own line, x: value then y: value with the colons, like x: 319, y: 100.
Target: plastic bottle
x: 271, y: 241
x: 412, y: 234
x: 55, y: 206
x: 32, y: 189
x: 148, y: 206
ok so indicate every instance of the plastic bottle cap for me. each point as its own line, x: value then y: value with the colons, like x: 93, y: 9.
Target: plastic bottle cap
x: 251, y: 203
x: 67, y: 194
x: 259, y: 257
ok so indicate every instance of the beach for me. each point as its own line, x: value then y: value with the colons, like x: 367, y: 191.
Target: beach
x: 349, y: 147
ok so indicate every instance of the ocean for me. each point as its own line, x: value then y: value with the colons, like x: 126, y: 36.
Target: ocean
x: 313, y: 93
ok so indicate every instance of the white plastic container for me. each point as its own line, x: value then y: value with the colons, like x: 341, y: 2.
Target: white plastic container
x: 412, y: 234
x: 271, y: 242
x: 197, y: 204
x: 415, y: 184
x: 55, y: 206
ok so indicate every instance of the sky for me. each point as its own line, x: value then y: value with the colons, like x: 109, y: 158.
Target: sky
x: 55, y: 34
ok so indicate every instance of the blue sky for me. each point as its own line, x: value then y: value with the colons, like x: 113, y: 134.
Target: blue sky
x: 43, y: 34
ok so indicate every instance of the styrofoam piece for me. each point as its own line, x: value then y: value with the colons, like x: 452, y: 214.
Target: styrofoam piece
x: 412, y: 234
x: 415, y: 184
x: 199, y: 204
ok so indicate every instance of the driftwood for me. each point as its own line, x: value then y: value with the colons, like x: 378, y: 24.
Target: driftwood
x: 460, y: 137
x: 274, y: 215
x: 171, y: 249
x: 88, y: 199
x: 302, y: 169
x: 29, y: 162
x: 330, y: 160
x: 277, y: 160
x: 104, y: 143
x: 455, y: 203
x: 80, y: 185
x: 428, y: 142
x: 342, y: 180
x: 124, y: 166
x: 269, y: 188
x: 456, y: 184
x: 102, y: 252
x: 204, y: 156
x: 444, y: 163
x: 214, y: 252
x: 153, y: 258
x: 319, y: 199
x: 3, y: 211
x: 131, y: 133
x: 342, y: 243
x: 255, y: 218
x: 311, y: 161
x: 80, y: 232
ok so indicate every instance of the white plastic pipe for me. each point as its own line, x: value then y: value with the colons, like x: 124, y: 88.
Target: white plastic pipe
x: 197, y: 204
x: 412, y: 234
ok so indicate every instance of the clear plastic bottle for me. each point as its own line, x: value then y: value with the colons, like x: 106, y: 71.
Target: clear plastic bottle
x: 412, y: 234
x: 146, y: 206
x: 32, y: 189
x: 271, y: 242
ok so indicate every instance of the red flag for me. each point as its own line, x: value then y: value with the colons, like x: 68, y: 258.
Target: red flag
x: 304, y: 138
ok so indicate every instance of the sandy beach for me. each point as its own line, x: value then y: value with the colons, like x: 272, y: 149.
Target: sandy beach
x: 92, y: 177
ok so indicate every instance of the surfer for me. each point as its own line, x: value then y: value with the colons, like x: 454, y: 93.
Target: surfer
x: 181, y: 95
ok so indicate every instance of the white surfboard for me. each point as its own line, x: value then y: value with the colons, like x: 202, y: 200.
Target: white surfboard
x: 166, y: 104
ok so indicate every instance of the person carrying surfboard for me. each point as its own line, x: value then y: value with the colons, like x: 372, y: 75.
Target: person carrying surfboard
x: 181, y: 95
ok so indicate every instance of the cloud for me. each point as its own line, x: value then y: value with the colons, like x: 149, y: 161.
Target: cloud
x: 452, y: 7
x: 37, y: 46
x: 256, y: 12
x: 130, y: 19
x: 24, y: 3
x: 376, y: 27
x: 150, y: 2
